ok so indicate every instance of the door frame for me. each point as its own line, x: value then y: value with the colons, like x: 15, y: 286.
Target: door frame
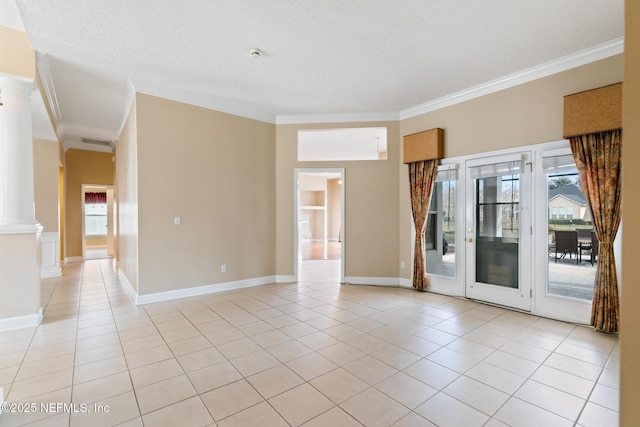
x: 110, y: 215
x: 296, y: 214
x: 554, y: 307
x: 519, y: 298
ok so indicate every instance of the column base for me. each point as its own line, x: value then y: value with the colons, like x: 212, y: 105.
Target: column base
x: 19, y: 322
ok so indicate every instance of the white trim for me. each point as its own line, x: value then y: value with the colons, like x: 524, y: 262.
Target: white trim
x: 44, y: 70
x: 574, y: 60
x: 20, y: 228
x: 292, y: 119
x: 202, y: 290
x: 50, y: 255
x: 374, y: 281
x: 282, y: 278
x: 69, y: 259
x: 128, y: 285
x: 18, y: 322
x: 1, y: 399
x: 406, y: 283
x: 203, y: 100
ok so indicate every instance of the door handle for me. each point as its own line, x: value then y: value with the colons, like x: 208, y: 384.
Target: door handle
x: 469, y: 239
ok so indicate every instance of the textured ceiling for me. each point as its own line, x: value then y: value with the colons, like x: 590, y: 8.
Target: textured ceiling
x: 320, y: 56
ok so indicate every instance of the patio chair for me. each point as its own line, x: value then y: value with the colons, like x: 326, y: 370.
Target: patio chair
x: 567, y: 243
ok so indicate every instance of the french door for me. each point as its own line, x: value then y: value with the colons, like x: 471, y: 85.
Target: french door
x: 498, y: 232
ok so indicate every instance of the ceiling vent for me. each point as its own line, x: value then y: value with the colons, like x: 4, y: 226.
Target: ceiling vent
x: 104, y: 143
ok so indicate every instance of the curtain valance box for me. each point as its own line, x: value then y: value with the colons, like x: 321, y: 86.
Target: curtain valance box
x: 426, y: 145
x: 593, y: 111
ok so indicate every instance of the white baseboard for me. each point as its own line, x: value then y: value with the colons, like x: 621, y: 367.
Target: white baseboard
x: 406, y: 283
x: 285, y: 279
x: 203, y: 290
x: 19, y: 322
x: 1, y: 399
x: 128, y: 285
x: 69, y: 259
x: 47, y: 272
x: 375, y: 281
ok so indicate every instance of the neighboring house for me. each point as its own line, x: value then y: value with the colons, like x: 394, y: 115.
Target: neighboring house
x: 567, y: 202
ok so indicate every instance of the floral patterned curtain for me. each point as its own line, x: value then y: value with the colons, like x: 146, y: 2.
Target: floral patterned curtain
x: 422, y: 175
x: 597, y: 158
x: 95, y: 197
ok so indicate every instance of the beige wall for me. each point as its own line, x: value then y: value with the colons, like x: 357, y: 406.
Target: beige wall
x: 82, y: 167
x: 216, y: 172
x: 528, y: 114
x: 630, y: 323
x: 16, y: 55
x: 371, y: 187
x: 19, y: 264
x: 126, y: 196
x: 46, y: 170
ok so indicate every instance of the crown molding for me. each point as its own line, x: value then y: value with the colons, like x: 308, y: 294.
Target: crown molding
x: 204, y: 101
x: 291, y: 119
x: 574, y: 60
x: 44, y: 71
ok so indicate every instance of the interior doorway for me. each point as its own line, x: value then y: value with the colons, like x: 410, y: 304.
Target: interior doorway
x: 319, y: 225
x: 98, y: 222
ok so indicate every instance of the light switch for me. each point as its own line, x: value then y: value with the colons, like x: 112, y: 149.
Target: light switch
x: 176, y: 220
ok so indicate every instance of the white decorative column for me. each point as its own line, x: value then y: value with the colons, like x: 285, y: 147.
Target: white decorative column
x: 16, y: 155
x: 19, y: 231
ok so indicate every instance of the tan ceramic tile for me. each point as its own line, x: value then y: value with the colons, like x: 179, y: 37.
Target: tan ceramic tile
x: 341, y: 353
x: 189, y: 345
x: 200, y: 359
x: 274, y: 381
x: 148, y: 356
x: 605, y: 396
x: 213, y: 376
x: 238, y: 348
x: 311, y: 366
x: 97, y: 340
x: 551, y: 399
x: 121, y: 408
x: 164, y: 393
x: 477, y: 395
x: 512, y: 363
x: 521, y: 413
x: 334, y: 417
x: 102, y: 388
x: 101, y: 368
x: 414, y: 420
x: 155, y: 372
x: 453, y: 360
x: 597, y: 416
x: 139, y: 344
x: 374, y: 408
x: 406, y: 390
x: 255, y: 362
x: 289, y: 351
x: 230, y: 399
x: 270, y: 338
x: 61, y: 396
x: 396, y: 357
x: 496, y: 377
x: 96, y: 354
x: 318, y: 340
x: 262, y: 415
x: 41, y: 367
x: 431, y: 373
x: 370, y: 370
x: 564, y: 381
x: 300, y: 404
x: 191, y: 412
x: 20, y: 390
x: 339, y: 385
x: 445, y: 410
x: 225, y: 336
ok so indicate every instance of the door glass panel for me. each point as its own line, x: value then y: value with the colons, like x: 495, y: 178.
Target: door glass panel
x: 440, y: 247
x: 497, y: 230
x: 573, y: 247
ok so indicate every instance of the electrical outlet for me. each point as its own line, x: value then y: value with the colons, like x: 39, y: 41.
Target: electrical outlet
x: 223, y: 268
x: 401, y: 264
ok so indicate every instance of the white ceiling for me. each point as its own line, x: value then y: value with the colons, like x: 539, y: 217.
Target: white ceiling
x: 322, y: 58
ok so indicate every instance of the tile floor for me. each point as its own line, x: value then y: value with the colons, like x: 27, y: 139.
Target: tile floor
x: 312, y: 354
